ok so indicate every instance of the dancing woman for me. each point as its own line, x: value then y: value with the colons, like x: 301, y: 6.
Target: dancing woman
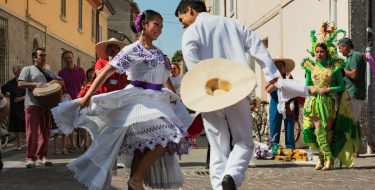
x: 138, y: 120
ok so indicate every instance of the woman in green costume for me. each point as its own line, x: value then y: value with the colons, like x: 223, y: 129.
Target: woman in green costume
x: 324, y: 80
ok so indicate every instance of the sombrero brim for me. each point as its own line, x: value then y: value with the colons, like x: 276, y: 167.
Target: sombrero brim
x: 289, y: 64
x: 193, y: 85
x: 101, y: 47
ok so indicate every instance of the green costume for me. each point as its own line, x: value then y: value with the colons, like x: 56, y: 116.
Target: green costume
x: 342, y: 139
x: 323, y: 105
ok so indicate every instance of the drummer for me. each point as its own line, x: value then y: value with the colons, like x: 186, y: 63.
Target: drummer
x: 36, y: 117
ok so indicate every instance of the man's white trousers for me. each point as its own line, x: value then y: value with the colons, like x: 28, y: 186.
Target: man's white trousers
x: 235, y: 121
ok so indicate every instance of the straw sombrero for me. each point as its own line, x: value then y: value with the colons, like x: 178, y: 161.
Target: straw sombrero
x: 289, y: 63
x: 101, y: 47
x: 214, y: 84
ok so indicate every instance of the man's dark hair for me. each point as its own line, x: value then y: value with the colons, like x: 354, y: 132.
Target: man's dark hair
x: 34, y: 53
x: 197, y: 5
x: 65, y: 52
x: 346, y: 41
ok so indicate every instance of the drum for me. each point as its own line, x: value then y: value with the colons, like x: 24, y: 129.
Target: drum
x: 49, y: 96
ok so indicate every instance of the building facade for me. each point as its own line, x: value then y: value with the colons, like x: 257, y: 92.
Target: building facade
x: 284, y: 27
x: 59, y: 25
x: 119, y: 24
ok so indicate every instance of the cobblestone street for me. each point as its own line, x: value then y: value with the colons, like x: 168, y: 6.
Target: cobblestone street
x: 262, y: 174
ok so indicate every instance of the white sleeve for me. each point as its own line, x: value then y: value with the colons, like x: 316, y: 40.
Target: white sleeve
x: 190, y: 47
x: 255, y: 47
x: 122, y: 61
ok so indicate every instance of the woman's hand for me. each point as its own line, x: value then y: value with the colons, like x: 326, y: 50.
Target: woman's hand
x: 313, y: 89
x: 325, y: 90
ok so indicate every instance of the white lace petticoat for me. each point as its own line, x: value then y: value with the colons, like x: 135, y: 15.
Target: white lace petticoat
x: 125, y: 121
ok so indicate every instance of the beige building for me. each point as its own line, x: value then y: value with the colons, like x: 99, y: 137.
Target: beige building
x: 285, y: 25
x: 57, y: 25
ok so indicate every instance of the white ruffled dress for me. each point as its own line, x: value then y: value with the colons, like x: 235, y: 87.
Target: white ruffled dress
x: 130, y: 119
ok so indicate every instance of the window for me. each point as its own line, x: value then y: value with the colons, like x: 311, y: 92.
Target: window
x: 78, y: 61
x: 265, y: 42
x: 217, y: 7
x: 80, y: 15
x: 231, y: 6
x: 100, y: 33
x: 93, y: 24
x: 35, y: 44
x: 4, y: 64
x: 63, y: 9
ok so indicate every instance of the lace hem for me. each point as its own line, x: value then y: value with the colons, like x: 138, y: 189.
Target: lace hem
x: 152, y: 133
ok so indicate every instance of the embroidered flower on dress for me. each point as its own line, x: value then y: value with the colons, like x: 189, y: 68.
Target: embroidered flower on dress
x: 152, y: 57
x: 122, y: 61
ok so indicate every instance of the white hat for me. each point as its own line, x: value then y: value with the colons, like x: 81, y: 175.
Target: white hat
x: 214, y: 84
x: 101, y: 47
x: 289, y: 63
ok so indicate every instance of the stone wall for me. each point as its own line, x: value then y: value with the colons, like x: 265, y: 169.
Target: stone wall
x: 358, y: 24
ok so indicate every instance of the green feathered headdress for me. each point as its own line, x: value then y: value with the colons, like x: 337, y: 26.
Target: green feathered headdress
x: 328, y: 36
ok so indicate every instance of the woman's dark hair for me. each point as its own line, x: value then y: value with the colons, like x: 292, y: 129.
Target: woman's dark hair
x: 323, y: 46
x: 197, y: 5
x: 146, y: 16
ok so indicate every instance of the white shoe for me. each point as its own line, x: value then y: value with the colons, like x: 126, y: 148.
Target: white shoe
x: 45, y: 162
x: 30, y: 164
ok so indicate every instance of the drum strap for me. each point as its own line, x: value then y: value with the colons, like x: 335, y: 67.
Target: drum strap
x: 48, y: 78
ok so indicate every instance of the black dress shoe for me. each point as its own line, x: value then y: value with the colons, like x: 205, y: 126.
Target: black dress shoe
x: 228, y: 183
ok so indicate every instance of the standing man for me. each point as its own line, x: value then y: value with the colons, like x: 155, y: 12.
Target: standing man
x: 209, y: 36
x: 355, y: 77
x: 73, y: 75
x: 74, y: 78
x: 36, y: 117
x: 106, y: 51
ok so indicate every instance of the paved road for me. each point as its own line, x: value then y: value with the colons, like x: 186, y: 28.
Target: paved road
x: 260, y: 175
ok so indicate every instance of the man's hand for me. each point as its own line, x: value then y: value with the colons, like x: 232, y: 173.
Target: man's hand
x: 60, y: 82
x: 273, y: 81
x: 40, y: 85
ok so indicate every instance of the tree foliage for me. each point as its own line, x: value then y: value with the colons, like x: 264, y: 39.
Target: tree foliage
x: 177, y: 56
